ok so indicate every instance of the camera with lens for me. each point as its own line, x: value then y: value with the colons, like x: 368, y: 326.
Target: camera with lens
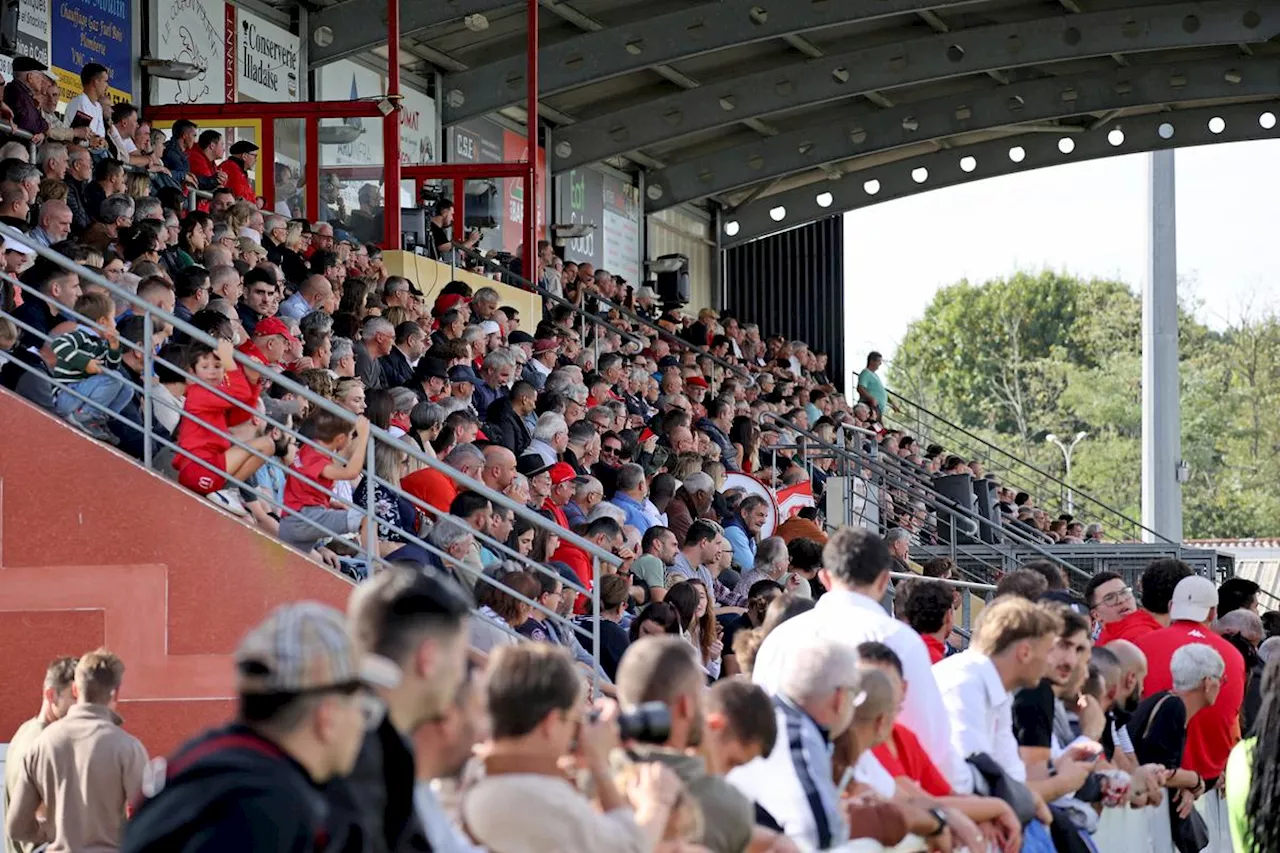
x: 648, y: 722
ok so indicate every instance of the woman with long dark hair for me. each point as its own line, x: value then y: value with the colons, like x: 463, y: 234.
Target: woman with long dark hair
x: 697, y: 623
x: 1253, y: 775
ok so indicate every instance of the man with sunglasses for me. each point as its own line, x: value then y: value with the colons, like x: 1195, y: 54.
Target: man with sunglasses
x: 305, y: 701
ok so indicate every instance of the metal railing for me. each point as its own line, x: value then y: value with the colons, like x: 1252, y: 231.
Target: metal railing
x: 1014, y: 471
x: 962, y: 521
x: 366, y: 548
x: 966, y: 587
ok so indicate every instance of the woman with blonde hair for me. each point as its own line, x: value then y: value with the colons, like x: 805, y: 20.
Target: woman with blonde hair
x: 138, y: 184
x: 395, y: 513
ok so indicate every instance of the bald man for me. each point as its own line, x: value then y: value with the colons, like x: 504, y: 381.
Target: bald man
x: 499, y: 467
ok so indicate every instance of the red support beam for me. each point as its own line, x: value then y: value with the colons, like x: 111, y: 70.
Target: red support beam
x: 531, y: 185
x: 391, y: 134
x: 465, y: 171
x: 230, y: 112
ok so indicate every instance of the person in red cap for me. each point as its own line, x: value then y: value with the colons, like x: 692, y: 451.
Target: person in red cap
x: 562, y: 485
x: 267, y: 345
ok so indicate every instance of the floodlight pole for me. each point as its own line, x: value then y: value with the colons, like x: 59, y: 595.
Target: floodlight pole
x: 1161, y: 419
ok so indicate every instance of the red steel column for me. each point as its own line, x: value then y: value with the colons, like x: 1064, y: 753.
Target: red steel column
x: 531, y: 194
x: 391, y: 134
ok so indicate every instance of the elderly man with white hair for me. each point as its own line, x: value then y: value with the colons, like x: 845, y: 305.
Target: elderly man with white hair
x: 814, y: 699
x: 772, y: 562
x: 550, y: 437
x: 376, y: 340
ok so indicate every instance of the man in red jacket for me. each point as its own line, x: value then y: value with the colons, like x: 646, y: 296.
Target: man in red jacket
x: 244, y: 154
x: 1120, y: 621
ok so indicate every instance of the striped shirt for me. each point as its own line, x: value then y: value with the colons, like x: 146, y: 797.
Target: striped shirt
x: 75, y: 349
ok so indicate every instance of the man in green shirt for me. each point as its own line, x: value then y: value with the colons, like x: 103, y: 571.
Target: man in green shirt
x: 55, y: 702
x: 870, y: 388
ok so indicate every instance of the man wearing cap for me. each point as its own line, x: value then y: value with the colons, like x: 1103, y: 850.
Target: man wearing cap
x: 462, y: 382
x: 305, y: 702
x: 536, y: 470
x: 244, y: 154
x: 19, y: 96
x: 1215, y: 729
x: 541, y: 362
x: 562, y: 487
x: 430, y: 379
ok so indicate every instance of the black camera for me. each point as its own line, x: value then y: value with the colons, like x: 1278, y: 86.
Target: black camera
x: 648, y: 722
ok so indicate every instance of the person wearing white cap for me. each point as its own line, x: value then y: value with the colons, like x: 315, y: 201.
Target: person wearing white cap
x: 1213, y: 732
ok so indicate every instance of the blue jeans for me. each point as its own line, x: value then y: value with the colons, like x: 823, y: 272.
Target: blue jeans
x: 107, y: 390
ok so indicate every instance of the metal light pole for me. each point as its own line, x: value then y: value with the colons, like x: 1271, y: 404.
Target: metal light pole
x: 1067, y: 450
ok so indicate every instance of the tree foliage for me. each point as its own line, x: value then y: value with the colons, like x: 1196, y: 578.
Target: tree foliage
x: 1018, y: 358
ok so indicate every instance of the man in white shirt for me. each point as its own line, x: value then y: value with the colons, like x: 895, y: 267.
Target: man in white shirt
x: 1008, y: 651
x: 94, y: 81
x: 856, y: 574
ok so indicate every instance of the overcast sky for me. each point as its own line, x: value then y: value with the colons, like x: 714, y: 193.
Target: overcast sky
x: 1086, y: 218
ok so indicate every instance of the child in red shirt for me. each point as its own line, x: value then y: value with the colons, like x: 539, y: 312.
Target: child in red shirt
x: 310, y: 518
x: 207, y: 458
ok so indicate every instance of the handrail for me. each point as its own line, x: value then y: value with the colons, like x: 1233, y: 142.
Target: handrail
x: 526, y: 284
x: 315, y: 400
x: 941, y: 500
x: 912, y: 576
x: 1076, y: 492
x: 11, y: 129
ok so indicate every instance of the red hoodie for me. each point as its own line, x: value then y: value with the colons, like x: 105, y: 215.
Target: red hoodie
x: 1137, y: 624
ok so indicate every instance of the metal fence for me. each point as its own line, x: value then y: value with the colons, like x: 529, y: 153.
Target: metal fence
x: 365, y: 556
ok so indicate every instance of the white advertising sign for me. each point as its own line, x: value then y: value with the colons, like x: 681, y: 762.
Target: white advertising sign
x: 33, y: 29
x: 266, y: 60
x: 193, y: 31
x: 419, y: 134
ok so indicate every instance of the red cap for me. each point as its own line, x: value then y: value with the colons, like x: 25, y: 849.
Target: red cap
x: 696, y: 382
x: 447, y: 301
x: 645, y: 435
x: 562, y: 472
x: 273, y: 326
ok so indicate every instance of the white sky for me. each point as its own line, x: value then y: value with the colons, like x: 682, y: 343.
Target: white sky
x: 1087, y: 218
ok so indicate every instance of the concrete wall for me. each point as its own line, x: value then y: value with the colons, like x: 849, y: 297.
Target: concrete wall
x: 96, y: 551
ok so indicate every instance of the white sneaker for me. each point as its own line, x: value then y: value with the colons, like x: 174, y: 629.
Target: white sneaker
x: 228, y: 499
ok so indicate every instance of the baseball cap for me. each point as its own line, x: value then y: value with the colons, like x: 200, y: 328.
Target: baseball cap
x: 489, y: 327
x: 531, y: 465
x: 244, y: 146
x: 668, y: 361
x: 23, y: 64
x: 431, y: 367
x: 11, y: 245
x: 463, y: 373
x: 303, y: 647
x: 696, y: 382
x: 562, y: 472
x: 273, y: 326
x: 448, y: 301
x: 1192, y: 600
x: 545, y: 345
x: 519, y: 337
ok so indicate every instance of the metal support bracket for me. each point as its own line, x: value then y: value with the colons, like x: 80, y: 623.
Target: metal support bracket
x: 872, y: 131
x: 936, y: 57
x: 355, y: 26
x: 700, y: 29
x: 1152, y: 132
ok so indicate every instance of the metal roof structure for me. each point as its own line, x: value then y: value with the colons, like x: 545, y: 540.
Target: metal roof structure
x: 780, y: 113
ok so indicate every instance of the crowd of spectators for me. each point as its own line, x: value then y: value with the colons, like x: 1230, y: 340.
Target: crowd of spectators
x: 388, y: 729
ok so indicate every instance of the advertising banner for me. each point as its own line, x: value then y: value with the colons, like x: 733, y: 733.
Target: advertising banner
x: 580, y: 200
x: 193, y: 31
x: 621, y: 229
x: 84, y: 31
x: 481, y: 142
x: 32, y: 37
x: 266, y: 60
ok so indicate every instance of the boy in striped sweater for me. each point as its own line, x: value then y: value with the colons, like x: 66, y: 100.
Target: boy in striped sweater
x: 87, y: 361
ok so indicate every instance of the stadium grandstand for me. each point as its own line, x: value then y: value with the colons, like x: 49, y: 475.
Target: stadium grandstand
x: 403, y: 406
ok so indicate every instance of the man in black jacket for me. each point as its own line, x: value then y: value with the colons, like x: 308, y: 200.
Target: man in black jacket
x: 506, y: 418
x: 415, y: 619
x: 305, y: 703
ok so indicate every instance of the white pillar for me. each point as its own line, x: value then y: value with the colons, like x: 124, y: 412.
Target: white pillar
x: 1161, y: 420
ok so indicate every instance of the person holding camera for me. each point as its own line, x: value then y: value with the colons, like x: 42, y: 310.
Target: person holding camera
x: 539, y: 718
x: 662, y: 688
x: 441, y: 233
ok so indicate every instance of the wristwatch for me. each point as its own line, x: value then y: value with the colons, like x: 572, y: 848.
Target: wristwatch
x: 940, y: 816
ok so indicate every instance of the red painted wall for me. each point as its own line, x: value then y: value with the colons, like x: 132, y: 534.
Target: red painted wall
x: 96, y: 551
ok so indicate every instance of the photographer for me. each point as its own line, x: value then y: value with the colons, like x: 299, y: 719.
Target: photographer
x: 665, y: 672
x: 441, y: 232
x: 537, y: 711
